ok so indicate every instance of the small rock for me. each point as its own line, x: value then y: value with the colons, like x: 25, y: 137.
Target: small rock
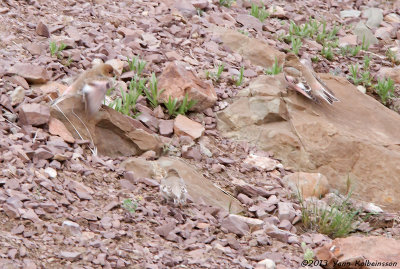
x: 307, y: 184
x: 51, y: 172
x: 71, y: 256
x: 235, y: 225
x: 166, y: 127
x: 42, y: 30
x: 72, y: 228
x: 362, y: 89
x: 17, y: 96
x: 185, y: 126
x: 267, y: 264
x: 371, y: 208
x: 32, y: 73
x: 56, y: 127
x: 351, y: 13
x: 276, y: 12
x: 34, y: 114
x: 374, y: 15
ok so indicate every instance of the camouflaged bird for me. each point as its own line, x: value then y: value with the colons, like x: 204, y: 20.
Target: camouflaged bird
x: 173, y: 188
x: 304, y: 80
x: 92, y: 84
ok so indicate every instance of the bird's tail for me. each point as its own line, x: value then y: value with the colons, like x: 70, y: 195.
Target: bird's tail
x: 327, y: 96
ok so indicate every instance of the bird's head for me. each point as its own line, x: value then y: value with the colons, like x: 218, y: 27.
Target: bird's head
x: 107, y: 70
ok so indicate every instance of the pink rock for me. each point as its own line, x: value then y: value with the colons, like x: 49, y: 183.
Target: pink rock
x: 185, y: 126
x: 34, y: 114
x: 177, y: 81
x: 42, y: 30
x: 56, y: 127
x: 32, y: 73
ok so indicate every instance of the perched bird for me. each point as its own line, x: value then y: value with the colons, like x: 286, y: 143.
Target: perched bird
x: 303, y: 79
x: 93, y: 95
x: 92, y: 85
x: 101, y: 72
x: 173, y: 188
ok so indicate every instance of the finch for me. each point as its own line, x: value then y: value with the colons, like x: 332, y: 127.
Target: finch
x: 92, y: 84
x: 304, y: 80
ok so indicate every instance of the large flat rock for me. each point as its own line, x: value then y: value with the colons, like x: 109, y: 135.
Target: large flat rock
x: 357, y: 138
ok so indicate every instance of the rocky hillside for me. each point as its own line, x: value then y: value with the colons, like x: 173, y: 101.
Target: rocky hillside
x: 273, y: 180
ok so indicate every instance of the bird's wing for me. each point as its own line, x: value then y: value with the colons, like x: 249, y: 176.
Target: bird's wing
x: 94, y: 93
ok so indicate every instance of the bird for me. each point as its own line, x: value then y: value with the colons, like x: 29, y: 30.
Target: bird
x: 92, y: 84
x: 303, y: 79
x: 173, y: 187
x: 99, y: 72
x: 93, y: 95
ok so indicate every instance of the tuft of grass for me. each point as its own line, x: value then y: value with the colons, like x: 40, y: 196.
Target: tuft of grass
x: 243, y: 32
x: 327, y: 52
x: 364, y: 44
x: 385, y: 89
x: 55, y: 50
x: 136, y: 65
x: 391, y: 55
x: 355, y: 50
x: 296, y: 44
x: 275, y: 70
x: 126, y: 104
x: 173, y: 108
x: 308, y: 253
x: 259, y: 13
x: 130, y: 205
x: 336, y: 220
x: 226, y: 3
x: 153, y: 94
x: 239, y: 80
x: 215, y: 76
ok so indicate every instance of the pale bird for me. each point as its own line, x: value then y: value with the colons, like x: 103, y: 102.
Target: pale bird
x: 173, y: 188
x: 92, y: 84
x: 303, y: 79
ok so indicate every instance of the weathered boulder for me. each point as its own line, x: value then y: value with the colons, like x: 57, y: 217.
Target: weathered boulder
x: 355, y: 138
x: 199, y: 188
x: 176, y: 82
x: 113, y: 133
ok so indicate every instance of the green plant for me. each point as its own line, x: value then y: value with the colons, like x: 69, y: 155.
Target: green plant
x: 391, y: 55
x: 336, y: 220
x: 226, y: 3
x: 153, y: 94
x: 243, y: 32
x: 199, y: 12
x: 239, y: 80
x: 364, y: 44
x: 129, y: 205
x: 55, y: 50
x: 186, y: 105
x: 296, y: 44
x: 136, y: 65
x: 355, y: 50
x: 385, y: 89
x: 315, y: 59
x: 308, y: 253
x: 127, y: 102
x: 276, y: 69
x: 354, y: 74
x: 327, y: 52
x: 259, y: 13
x: 172, y: 105
x: 215, y: 76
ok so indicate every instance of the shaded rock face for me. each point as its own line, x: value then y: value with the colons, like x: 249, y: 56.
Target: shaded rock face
x: 199, y: 188
x: 113, y: 133
x: 356, y: 138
